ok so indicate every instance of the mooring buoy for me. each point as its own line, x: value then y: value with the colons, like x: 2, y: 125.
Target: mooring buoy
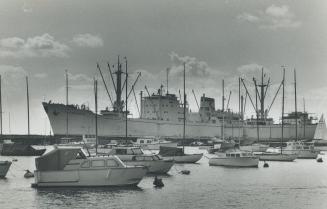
x: 28, y: 174
x: 319, y: 160
x: 265, y: 165
x: 158, y: 182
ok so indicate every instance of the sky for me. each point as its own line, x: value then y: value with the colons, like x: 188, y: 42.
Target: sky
x: 216, y: 39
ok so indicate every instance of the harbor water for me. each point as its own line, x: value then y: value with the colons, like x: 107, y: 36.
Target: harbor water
x: 300, y: 184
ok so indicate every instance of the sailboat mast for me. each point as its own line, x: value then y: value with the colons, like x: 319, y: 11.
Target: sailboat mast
x: 126, y: 97
x: 28, y: 107
x: 96, y: 114
x: 66, y: 103
x: 283, y: 103
x: 223, y: 111
x: 256, y: 108
x: 304, y: 118
x: 167, y: 80
x: 0, y: 105
x: 239, y: 110
x: 223, y: 97
x: 184, y: 107
x: 295, y: 98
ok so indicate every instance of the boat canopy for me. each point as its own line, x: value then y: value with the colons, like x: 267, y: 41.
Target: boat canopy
x: 171, y: 151
x: 58, y: 158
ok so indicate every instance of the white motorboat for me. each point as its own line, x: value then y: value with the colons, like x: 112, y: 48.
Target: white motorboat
x: 256, y: 147
x: 88, y: 142
x: 178, y: 155
x: 135, y: 156
x: 234, y: 158
x: 69, y: 167
x: 153, y: 143
x: 4, y: 167
x: 302, y: 150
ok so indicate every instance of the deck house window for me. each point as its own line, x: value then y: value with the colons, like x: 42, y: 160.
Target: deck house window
x: 97, y: 163
x: 85, y: 164
x: 112, y: 163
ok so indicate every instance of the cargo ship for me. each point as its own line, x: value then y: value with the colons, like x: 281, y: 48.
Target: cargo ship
x: 161, y: 115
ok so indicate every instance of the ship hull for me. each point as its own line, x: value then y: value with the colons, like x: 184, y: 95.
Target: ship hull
x: 82, y: 121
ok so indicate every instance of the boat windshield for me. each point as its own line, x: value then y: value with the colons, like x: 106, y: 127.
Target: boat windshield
x: 137, y: 151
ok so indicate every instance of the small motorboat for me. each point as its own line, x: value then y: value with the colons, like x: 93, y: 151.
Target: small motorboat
x: 177, y: 154
x: 69, y: 167
x: 16, y: 149
x: 303, y: 150
x: 234, y: 158
x: 135, y: 156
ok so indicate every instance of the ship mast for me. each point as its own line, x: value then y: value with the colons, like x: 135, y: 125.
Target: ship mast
x: 66, y: 103
x: 96, y: 114
x: 283, y: 103
x: 126, y: 97
x: 295, y: 98
x: 118, y: 103
x: 184, y: 108
x: 28, y: 107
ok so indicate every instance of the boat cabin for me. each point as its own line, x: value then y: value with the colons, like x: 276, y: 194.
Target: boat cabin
x: 74, y: 159
x: 126, y: 151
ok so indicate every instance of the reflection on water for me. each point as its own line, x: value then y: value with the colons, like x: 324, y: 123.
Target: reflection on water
x: 301, y: 184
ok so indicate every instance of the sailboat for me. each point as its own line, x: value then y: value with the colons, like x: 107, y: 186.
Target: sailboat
x: 234, y: 157
x: 258, y: 146
x: 175, y: 153
x: 303, y: 150
x: 20, y: 149
x: 279, y: 156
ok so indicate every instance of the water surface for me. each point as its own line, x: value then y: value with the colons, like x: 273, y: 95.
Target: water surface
x: 301, y: 184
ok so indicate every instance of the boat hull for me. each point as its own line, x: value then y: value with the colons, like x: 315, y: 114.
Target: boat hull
x: 277, y: 157
x: 20, y: 150
x: 82, y: 121
x: 303, y: 154
x: 255, y: 148
x: 157, y: 145
x: 4, y: 167
x: 130, y: 176
x: 153, y: 167
x: 234, y: 162
x: 187, y: 158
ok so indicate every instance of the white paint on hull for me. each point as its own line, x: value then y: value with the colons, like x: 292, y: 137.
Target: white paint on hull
x: 82, y: 122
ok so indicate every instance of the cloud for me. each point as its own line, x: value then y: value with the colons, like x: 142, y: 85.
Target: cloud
x: 194, y: 67
x: 248, y: 17
x: 9, y: 70
x: 40, y: 75
x: 79, y: 77
x: 273, y: 17
x: 38, y: 46
x: 88, y: 40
